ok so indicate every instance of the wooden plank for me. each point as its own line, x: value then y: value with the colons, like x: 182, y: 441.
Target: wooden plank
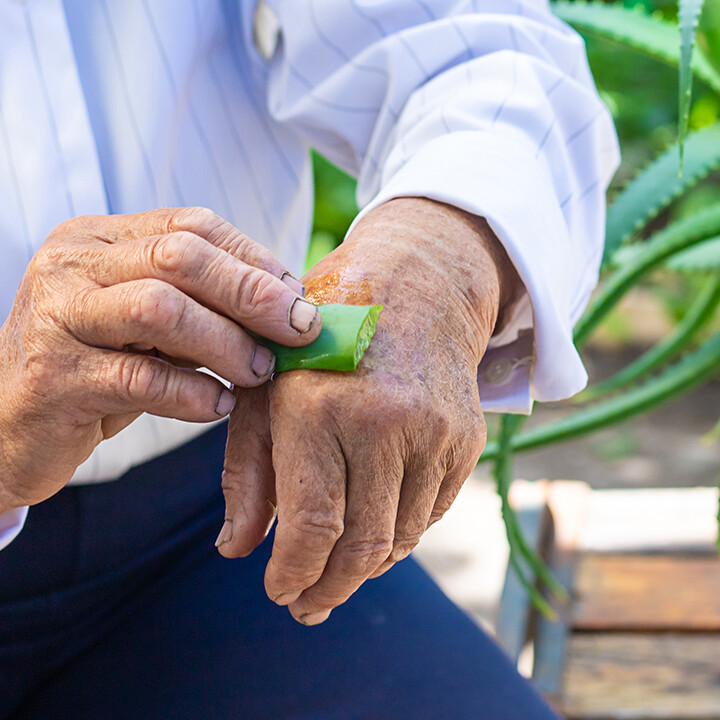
x: 642, y: 677
x: 645, y: 593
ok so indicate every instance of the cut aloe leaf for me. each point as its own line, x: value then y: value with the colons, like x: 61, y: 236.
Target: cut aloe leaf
x: 345, y: 336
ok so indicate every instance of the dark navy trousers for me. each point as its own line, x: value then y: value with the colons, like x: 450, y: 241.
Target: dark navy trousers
x: 114, y: 604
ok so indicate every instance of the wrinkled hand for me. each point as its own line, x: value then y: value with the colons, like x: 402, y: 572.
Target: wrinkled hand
x: 110, y: 320
x: 362, y: 463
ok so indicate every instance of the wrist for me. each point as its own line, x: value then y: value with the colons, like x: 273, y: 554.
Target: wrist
x: 430, y: 264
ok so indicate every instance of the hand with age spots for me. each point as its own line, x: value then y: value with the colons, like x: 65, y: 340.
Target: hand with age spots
x: 360, y: 464
x: 112, y: 318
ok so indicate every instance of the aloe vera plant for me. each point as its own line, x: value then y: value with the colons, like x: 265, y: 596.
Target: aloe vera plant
x: 633, y: 248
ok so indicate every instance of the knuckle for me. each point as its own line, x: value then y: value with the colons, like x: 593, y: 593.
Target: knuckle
x: 403, y: 546
x: 320, y: 526
x: 363, y: 556
x: 79, y: 307
x: 187, y: 218
x: 154, y: 303
x: 438, y: 512
x: 49, y: 257
x: 141, y: 379
x: 254, y: 291
x: 174, y: 253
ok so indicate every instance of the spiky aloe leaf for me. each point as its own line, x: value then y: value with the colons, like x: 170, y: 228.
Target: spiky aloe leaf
x: 690, y: 372
x: 658, y: 184
x: 647, y: 33
x: 702, y: 310
x: 688, y: 18
x: 682, y: 234
x: 703, y: 257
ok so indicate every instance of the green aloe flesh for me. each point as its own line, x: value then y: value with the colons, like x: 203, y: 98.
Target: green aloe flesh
x: 345, y: 336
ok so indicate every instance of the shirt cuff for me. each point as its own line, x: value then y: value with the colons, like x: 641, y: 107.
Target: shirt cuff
x: 502, y: 180
x: 11, y: 523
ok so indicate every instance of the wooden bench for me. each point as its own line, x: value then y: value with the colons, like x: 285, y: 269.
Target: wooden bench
x: 640, y: 638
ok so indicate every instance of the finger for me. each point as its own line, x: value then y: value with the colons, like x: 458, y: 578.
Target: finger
x: 373, y: 491
x: 310, y: 486
x: 112, y: 383
x: 198, y: 220
x: 227, y: 237
x: 418, y: 497
x: 461, y: 458
x: 454, y: 480
x: 248, y: 480
x: 156, y: 313
x: 255, y: 298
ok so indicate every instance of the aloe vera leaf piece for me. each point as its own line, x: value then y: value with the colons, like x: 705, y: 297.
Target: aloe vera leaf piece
x: 345, y: 336
x: 688, y: 19
x: 699, y: 314
x: 658, y: 184
x: 690, y: 372
x: 646, y: 33
x: 667, y: 242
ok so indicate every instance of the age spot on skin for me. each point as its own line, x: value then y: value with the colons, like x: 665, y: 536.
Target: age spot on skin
x: 338, y: 287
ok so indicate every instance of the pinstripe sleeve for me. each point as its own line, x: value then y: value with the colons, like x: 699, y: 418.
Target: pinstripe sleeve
x: 488, y: 105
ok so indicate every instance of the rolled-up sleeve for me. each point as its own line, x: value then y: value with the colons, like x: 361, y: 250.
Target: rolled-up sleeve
x: 487, y: 105
x: 11, y: 523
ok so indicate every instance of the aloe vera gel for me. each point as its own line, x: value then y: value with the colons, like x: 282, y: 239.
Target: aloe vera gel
x: 345, y: 336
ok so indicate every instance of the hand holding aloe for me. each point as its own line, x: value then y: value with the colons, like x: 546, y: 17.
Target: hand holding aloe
x: 359, y: 464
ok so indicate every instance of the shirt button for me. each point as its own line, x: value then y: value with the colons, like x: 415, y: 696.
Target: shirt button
x: 498, y: 371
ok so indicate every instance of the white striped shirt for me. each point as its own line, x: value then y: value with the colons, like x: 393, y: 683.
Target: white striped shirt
x: 126, y: 105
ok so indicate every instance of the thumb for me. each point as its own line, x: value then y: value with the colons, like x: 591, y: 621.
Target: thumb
x: 248, y: 479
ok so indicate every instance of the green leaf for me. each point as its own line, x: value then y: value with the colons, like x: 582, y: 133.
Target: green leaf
x: 690, y: 372
x: 345, y: 336
x: 710, y: 32
x: 700, y: 313
x: 704, y: 257
x: 645, y: 256
x: 657, y: 185
x: 322, y: 243
x: 335, y: 205
x: 524, y: 560
x: 646, y: 33
x: 688, y: 17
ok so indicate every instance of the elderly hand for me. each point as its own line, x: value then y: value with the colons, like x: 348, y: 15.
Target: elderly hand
x: 363, y: 463
x: 110, y: 319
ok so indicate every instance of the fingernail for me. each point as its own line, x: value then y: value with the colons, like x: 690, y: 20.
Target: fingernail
x: 273, y: 515
x: 225, y: 403
x: 314, y: 618
x: 302, y: 315
x: 286, y: 598
x: 263, y: 362
x: 225, y: 535
x: 293, y: 283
